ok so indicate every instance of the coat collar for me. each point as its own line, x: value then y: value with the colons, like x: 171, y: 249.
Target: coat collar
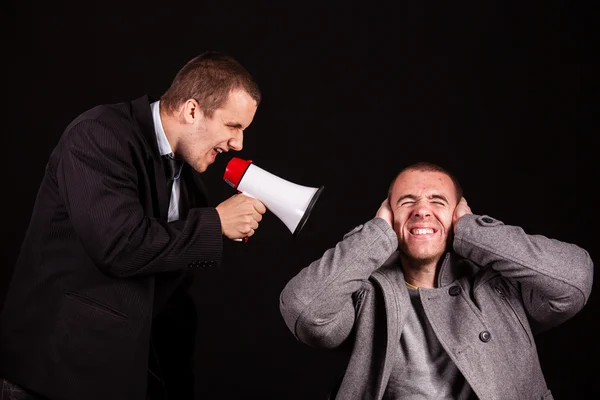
x: 452, y: 268
x: 142, y: 114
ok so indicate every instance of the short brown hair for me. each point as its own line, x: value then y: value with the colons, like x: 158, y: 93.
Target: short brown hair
x: 427, y: 166
x: 209, y: 78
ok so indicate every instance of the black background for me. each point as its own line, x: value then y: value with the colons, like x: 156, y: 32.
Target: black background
x: 500, y: 92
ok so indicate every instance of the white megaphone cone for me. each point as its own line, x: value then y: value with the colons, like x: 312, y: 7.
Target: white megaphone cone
x: 290, y: 202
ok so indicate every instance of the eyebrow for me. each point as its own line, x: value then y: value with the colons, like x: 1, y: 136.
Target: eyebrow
x: 432, y: 197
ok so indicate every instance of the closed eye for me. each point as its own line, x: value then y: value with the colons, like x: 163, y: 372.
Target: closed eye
x: 235, y: 126
x: 438, y: 199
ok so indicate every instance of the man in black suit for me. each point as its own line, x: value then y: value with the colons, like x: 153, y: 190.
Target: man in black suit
x: 98, y: 306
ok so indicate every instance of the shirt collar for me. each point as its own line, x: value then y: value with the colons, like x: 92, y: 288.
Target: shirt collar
x: 163, y: 144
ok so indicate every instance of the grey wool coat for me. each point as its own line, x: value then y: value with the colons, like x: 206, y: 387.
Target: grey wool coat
x: 495, y: 290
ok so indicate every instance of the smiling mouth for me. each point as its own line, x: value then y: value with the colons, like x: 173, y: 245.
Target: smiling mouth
x: 422, y: 231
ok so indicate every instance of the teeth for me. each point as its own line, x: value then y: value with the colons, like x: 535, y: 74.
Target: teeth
x: 219, y: 151
x: 421, y: 231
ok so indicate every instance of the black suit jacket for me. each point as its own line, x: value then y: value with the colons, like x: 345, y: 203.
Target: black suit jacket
x: 99, y: 260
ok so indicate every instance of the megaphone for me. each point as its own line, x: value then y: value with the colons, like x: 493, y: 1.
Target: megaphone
x: 290, y: 202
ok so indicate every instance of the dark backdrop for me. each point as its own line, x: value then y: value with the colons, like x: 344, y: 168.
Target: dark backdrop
x: 500, y: 92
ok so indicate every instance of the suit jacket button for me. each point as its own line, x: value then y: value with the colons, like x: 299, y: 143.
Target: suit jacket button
x: 454, y: 291
x: 485, y: 336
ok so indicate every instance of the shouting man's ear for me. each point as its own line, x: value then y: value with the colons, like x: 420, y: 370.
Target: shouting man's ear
x: 191, y: 111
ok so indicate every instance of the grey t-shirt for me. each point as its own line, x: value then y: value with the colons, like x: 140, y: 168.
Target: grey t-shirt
x: 423, y: 369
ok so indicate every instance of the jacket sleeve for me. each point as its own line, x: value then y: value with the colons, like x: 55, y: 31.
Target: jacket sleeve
x: 97, y: 180
x: 555, y: 278
x: 317, y: 303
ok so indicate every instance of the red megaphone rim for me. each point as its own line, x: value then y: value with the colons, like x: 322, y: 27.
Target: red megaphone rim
x: 235, y: 170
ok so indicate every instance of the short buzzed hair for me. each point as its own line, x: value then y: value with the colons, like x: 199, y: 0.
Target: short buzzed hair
x: 209, y: 78
x: 426, y: 166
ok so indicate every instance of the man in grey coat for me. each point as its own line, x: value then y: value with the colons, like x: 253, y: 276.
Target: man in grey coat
x: 433, y: 301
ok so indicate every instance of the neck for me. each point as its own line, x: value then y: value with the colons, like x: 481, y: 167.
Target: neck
x: 419, y: 275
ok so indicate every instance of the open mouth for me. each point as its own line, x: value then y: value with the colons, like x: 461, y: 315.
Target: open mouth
x: 422, y: 231
x: 214, y: 153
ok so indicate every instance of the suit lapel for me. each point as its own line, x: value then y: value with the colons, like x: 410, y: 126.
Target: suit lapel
x: 184, y: 196
x: 161, y: 188
x: 143, y: 117
x: 201, y: 194
x: 192, y: 191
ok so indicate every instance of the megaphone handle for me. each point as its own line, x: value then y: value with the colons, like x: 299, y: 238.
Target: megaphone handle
x: 245, y: 239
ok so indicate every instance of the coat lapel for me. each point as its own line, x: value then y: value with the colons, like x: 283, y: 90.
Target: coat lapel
x: 143, y: 117
x: 192, y: 191
x: 390, y: 279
